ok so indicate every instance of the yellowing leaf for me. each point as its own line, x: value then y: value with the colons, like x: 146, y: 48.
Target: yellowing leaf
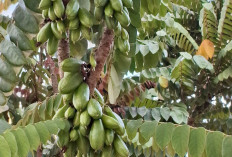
x: 206, y: 49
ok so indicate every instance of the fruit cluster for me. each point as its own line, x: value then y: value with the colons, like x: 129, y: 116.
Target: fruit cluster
x: 116, y: 15
x: 95, y: 128
x: 77, y: 20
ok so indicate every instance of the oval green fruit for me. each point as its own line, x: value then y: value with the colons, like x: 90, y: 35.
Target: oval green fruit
x: 60, y: 112
x: 81, y: 96
x: 128, y: 3
x: 83, y: 144
x: 117, y: 5
x: 111, y: 22
x: 117, y: 30
x: 45, y: 33
x: 85, y: 118
x: 58, y: 8
x: 71, y: 65
x: 106, y: 152
x: 70, y: 82
x: 120, y: 147
x: 55, y: 31
x: 76, y: 119
x: 98, y: 96
x: 86, y: 18
x: 109, y: 137
x: 45, y: 4
x: 69, y: 113
x: 100, y: 3
x: 73, y: 24
x: 45, y: 13
x: 83, y: 130
x: 97, y: 135
x: 75, y: 35
x: 60, y: 26
x: 125, y: 35
x: 94, y: 109
x: 109, y: 10
x: 51, y: 14
x: 86, y: 32
x: 52, y: 45
x: 73, y: 135
x: 109, y: 122
x: 123, y: 18
x: 72, y: 9
x: 98, y: 13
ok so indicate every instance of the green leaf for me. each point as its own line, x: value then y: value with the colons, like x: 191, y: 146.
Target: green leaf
x: 33, y: 136
x: 78, y: 49
x: 12, y: 53
x: 226, y: 146
x: 142, y: 111
x: 7, y: 72
x: 43, y: 132
x: 163, y: 134
x: 165, y: 113
x: 197, y: 142
x: 214, y: 144
x: 22, y: 142
x: 132, y: 127
x: 147, y: 129
x: 4, y: 148
x: 4, y: 126
x: 10, y: 139
x: 60, y: 123
x: 42, y: 109
x: 49, y: 106
x: 203, y: 63
x: 52, y: 127
x: 5, y: 85
x: 177, y: 116
x: 19, y: 38
x: 180, y: 139
x: 25, y: 20
x: 155, y: 112
x: 57, y: 102
x: 33, y: 5
x: 85, y: 4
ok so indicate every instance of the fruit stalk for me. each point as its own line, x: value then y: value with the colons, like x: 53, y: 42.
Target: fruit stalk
x: 63, y: 53
x: 101, y: 56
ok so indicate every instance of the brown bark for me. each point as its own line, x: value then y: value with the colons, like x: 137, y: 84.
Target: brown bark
x: 101, y: 56
x: 63, y: 53
x: 39, y: 152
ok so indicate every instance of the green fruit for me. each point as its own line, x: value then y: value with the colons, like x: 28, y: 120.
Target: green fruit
x: 92, y: 60
x: 111, y: 22
x: 120, y: 147
x: 128, y: 3
x: 123, y: 45
x: 52, y: 45
x: 73, y: 24
x: 125, y: 35
x: 45, y: 4
x: 60, y: 112
x: 109, y: 122
x: 85, y: 119
x: 117, y: 30
x: 59, y: 8
x: 45, y: 13
x: 98, y: 13
x: 76, y: 119
x: 109, y: 112
x: 83, y: 130
x: 69, y: 113
x: 67, y: 97
x: 72, y: 9
x: 75, y: 35
x: 73, y: 135
x: 55, y: 31
x: 2, y: 99
x: 71, y: 150
x: 100, y: 3
x: 106, y: 152
x: 123, y: 18
x: 109, y: 10
x: 63, y: 138
x: 60, y: 26
x: 86, y: 32
x: 116, y: 5
x: 70, y: 82
x: 81, y: 97
x: 109, y: 137
x: 98, y: 96
x: 83, y: 144
x: 71, y: 65
x: 45, y: 33
x: 94, y: 109
x: 51, y: 14
x: 97, y: 135
x: 86, y: 18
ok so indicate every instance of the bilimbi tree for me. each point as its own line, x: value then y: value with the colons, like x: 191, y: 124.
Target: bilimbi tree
x: 116, y: 78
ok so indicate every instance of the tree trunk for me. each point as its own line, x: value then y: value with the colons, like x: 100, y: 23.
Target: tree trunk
x: 63, y: 53
x: 101, y: 56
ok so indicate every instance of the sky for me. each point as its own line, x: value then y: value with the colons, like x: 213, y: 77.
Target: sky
x: 9, y: 11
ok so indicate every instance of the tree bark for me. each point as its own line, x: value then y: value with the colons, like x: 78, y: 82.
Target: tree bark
x: 63, y: 53
x: 101, y: 56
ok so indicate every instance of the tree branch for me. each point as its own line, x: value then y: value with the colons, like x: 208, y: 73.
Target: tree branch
x: 101, y: 56
x: 63, y: 53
